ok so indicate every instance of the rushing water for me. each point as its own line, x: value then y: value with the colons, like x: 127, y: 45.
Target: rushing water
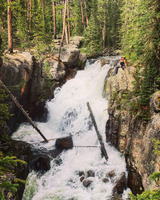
x: 68, y: 114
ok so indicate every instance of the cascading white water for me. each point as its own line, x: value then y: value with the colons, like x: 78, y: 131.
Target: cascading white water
x: 68, y: 114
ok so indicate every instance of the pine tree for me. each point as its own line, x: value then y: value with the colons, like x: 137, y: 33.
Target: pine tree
x: 77, y: 26
x: 93, y: 38
x: 22, y: 31
x: 140, y: 42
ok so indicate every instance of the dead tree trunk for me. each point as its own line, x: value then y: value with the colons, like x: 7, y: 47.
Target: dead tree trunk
x: 10, y: 40
x: 22, y: 110
x: 103, y: 150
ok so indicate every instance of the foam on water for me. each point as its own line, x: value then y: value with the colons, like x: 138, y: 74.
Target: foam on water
x: 68, y: 114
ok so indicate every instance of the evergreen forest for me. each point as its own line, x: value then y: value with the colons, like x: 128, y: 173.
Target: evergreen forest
x: 131, y: 26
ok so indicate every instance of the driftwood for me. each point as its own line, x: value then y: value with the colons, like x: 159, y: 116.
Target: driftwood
x: 22, y: 110
x: 103, y: 150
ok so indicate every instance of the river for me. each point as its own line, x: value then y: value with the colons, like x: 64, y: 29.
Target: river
x: 68, y: 114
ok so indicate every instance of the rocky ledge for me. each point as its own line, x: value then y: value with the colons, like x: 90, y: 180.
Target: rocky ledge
x: 128, y: 133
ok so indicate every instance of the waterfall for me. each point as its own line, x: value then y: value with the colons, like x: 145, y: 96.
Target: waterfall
x: 68, y: 114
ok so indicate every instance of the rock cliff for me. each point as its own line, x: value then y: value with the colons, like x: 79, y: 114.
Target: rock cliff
x: 32, y: 82
x: 130, y: 134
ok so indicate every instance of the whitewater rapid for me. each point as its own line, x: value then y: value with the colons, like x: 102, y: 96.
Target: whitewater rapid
x: 68, y: 115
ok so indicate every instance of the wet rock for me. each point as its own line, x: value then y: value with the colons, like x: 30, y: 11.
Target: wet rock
x: 81, y: 173
x: 41, y: 164
x: 82, y: 60
x: 54, y: 153
x: 64, y: 143
x: 111, y: 174
x: 105, y: 180
x: 82, y: 178
x: 135, y: 182
x: 87, y: 183
x: 121, y: 184
x: 90, y: 173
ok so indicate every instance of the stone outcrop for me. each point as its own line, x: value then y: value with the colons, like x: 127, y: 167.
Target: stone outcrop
x: 130, y: 134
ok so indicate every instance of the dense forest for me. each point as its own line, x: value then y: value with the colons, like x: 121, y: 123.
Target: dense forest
x: 27, y: 23
x: 133, y: 26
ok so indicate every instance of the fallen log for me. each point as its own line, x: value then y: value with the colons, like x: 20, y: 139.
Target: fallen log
x: 103, y: 150
x: 22, y: 110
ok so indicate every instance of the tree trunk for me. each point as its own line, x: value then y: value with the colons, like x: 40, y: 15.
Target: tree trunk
x: 86, y: 12
x: 66, y: 34
x: 103, y: 35
x: 103, y: 150
x: 10, y: 40
x: 63, y: 32
x: 82, y: 13
x: 69, y: 25
x: 39, y: 2
x: 64, y: 21
x: 54, y: 19
x: 30, y: 15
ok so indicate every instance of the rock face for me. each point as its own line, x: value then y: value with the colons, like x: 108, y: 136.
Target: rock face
x: 33, y: 82
x: 129, y: 134
x: 121, y: 184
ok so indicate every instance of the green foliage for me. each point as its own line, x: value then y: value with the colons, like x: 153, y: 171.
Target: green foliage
x: 4, y: 112
x: 140, y: 41
x: 77, y: 23
x: 140, y: 44
x: 46, y: 68
x: 7, y: 166
x: 93, y: 39
x: 156, y: 146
